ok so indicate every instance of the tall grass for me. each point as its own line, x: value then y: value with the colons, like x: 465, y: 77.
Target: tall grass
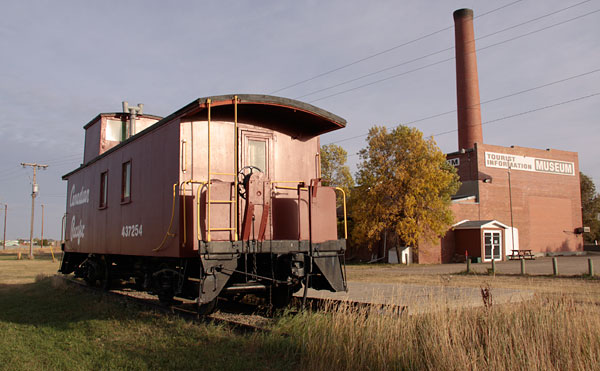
x: 541, y: 334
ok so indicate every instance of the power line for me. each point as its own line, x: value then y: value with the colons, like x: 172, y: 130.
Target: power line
x: 438, y: 52
x: 384, y: 51
x: 527, y: 112
x: 481, y: 103
x: 449, y: 59
x: 518, y: 114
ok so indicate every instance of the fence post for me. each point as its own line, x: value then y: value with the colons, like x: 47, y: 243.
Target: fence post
x: 468, y: 265
x: 522, y: 267
x: 555, y: 266
x: 493, y: 266
x: 591, y: 267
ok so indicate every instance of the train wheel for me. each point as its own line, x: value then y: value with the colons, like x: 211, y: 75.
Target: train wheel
x: 90, y: 272
x: 281, y: 296
x: 106, y: 276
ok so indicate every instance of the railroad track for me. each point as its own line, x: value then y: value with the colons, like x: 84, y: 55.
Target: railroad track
x: 238, y: 318
x: 241, y: 317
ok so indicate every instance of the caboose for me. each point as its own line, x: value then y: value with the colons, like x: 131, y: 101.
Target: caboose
x: 221, y: 198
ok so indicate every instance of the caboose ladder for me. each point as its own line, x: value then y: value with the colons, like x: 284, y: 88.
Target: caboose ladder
x: 210, y: 201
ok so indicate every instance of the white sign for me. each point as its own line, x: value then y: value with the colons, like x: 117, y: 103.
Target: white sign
x: 454, y: 161
x: 538, y: 165
x: 77, y: 231
x: 79, y: 198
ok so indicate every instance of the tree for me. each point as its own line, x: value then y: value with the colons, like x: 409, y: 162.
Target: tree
x: 590, y: 208
x: 334, y: 171
x: 405, y: 186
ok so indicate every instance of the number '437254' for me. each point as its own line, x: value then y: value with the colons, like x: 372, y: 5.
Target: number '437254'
x: 134, y: 230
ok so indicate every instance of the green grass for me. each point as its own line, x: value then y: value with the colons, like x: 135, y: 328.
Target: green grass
x: 45, y: 325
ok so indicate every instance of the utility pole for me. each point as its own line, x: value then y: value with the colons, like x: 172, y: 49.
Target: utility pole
x: 34, y: 191
x: 4, y: 239
x: 512, y: 226
x: 42, y: 238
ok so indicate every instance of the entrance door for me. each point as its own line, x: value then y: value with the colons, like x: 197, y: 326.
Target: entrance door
x: 492, y: 241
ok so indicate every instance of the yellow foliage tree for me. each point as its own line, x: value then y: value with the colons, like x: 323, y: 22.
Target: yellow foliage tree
x: 334, y: 171
x: 405, y: 188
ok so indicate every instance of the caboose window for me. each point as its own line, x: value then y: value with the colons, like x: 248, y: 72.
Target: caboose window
x: 103, y: 189
x: 257, y: 154
x: 115, y: 130
x: 126, y: 182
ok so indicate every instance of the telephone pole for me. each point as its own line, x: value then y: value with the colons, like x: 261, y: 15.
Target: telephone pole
x: 4, y: 239
x: 42, y: 237
x: 34, y: 191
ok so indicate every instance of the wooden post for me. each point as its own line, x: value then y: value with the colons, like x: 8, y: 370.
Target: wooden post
x: 468, y: 265
x: 493, y: 266
x: 591, y: 267
x: 522, y: 267
x: 555, y: 266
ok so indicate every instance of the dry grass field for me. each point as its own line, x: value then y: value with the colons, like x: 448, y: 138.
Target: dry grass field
x: 47, y: 325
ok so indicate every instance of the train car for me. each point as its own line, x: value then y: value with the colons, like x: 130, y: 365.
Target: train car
x: 221, y: 198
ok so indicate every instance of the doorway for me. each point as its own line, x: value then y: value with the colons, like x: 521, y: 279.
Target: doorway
x: 492, y: 241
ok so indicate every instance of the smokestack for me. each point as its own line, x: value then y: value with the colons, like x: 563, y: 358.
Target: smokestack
x: 467, y: 82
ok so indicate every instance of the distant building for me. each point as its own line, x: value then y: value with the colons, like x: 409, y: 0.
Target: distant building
x: 511, y: 198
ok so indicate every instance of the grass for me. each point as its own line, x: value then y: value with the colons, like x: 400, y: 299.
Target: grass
x: 47, y: 325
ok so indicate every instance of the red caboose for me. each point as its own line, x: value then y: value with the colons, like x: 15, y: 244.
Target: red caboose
x: 222, y: 197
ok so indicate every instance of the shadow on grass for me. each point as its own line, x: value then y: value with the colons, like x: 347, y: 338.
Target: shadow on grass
x: 50, y: 325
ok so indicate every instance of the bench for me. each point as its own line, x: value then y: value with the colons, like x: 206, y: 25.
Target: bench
x: 521, y: 254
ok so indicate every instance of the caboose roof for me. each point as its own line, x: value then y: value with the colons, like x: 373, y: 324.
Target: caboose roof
x: 298, y: 119
x: 280, y: 113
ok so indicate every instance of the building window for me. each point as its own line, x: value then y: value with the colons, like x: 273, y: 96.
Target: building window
x: 126, y: 183
x: 103, y: 190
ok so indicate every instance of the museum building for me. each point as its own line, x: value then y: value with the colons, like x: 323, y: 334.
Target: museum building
x: 511, y: 198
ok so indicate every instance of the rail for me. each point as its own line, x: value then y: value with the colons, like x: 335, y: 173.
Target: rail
x: 169, y: 233
x: 306, y: 188
x: 345, y: 219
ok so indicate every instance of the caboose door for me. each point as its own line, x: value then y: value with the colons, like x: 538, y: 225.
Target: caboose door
x: 256, y: 164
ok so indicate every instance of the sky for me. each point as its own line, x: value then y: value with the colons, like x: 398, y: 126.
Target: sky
x: 63, y: 62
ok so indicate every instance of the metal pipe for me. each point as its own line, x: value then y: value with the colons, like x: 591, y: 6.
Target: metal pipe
x: 4, y: 239
x: 208, y: 178
x: 248, y: 288
x: 235, y: 166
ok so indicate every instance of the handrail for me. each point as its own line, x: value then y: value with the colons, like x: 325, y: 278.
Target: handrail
x: 208, y: 101
x: 235, y: 165
x: 294, y: 188
x: 169, y: 234
x: 191, y: 181
x: 345, y: 220
x: 63, y: 229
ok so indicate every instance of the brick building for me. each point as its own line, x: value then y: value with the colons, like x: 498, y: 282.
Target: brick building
x: 511, y: 198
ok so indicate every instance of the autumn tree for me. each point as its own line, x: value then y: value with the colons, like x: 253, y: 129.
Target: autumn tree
x: 590, y: 208
x: 334, y: 171
x: 405, y: 186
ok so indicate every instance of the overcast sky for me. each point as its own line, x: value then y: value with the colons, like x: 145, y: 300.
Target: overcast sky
x: 63, y: 62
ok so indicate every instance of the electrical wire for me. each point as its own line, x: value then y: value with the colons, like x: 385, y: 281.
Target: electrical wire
x: 482, y: 103
x: 449, y: 59
x: 438, y: 52
x: 384, y: 51
x: 516, y: 114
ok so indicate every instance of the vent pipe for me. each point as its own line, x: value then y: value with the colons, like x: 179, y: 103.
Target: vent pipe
x: 467, y: 82
x: 132, y: 111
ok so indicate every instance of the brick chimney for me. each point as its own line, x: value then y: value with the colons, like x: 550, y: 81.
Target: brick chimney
x: 467, y: 82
